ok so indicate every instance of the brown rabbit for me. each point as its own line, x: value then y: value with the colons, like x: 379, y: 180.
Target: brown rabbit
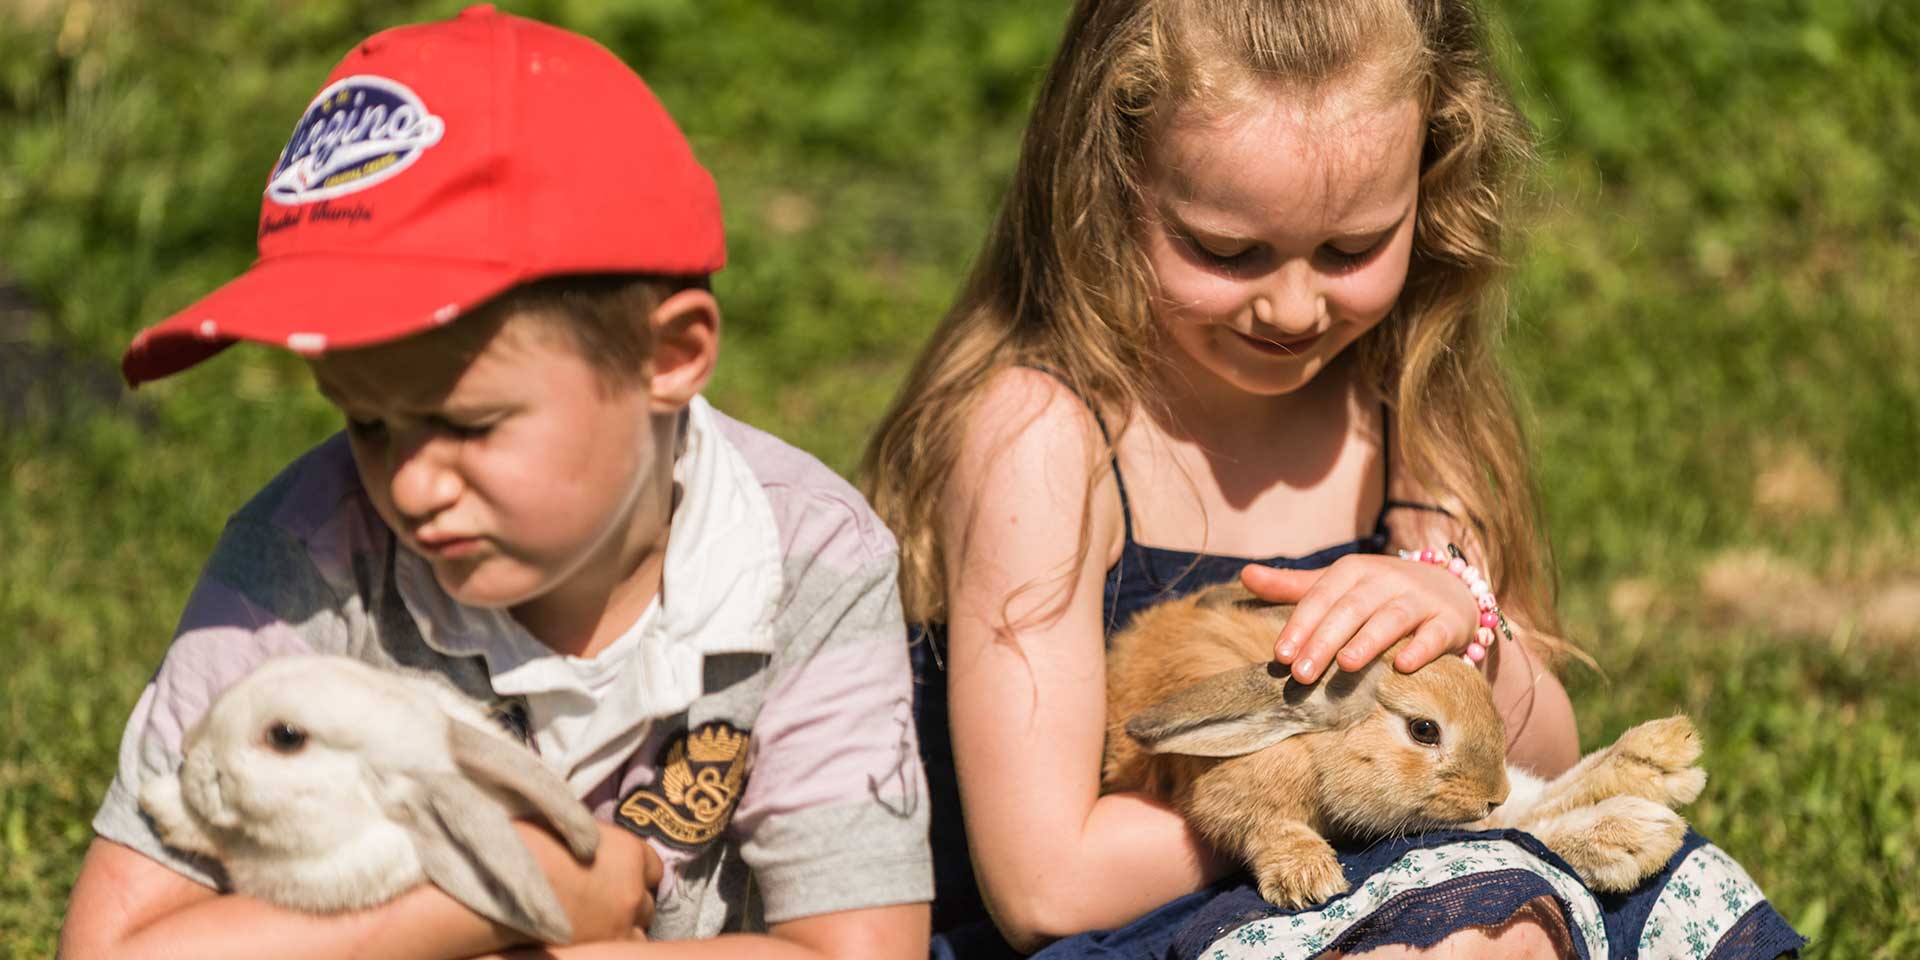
x: 1267, y: 768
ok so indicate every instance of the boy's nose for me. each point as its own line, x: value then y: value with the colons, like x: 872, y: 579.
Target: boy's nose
x: 423, y: 482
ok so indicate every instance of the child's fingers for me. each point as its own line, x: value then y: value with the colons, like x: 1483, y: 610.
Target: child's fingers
x: 1388, y: 625
x: 1278, y: 586
x: 1430, y: 642
x: 1308, y: 612
x: 1343, y: 618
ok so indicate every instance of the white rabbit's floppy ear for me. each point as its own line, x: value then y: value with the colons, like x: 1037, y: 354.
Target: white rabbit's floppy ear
x: 510, y: 767
x: 1238, y: 711
x: 468, y: 848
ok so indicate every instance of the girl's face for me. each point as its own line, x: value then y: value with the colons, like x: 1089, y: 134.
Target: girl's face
x: 1280, y: 231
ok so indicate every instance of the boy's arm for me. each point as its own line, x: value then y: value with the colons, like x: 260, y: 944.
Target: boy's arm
x: 127, y: 905
x: 873, y: 932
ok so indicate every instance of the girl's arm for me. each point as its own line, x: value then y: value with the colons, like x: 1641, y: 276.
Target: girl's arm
x: 1541, y: 731
x: 128, y: 905
x: 872, y: 933
x: 1027, y: 677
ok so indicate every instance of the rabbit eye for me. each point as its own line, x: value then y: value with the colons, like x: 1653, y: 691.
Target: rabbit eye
x: 1424, y: 730
x: 286, y: 738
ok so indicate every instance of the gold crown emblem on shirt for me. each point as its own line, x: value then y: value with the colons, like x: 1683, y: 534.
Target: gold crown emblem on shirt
x: 715, y: 744
x: 701, y: 774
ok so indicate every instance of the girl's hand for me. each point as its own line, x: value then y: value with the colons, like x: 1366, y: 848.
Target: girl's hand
x: 1362, y: 605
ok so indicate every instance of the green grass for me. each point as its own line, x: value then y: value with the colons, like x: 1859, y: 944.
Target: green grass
x: 1721, y: 279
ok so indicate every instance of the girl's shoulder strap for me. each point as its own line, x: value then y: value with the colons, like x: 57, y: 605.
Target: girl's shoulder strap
x: 1113, y: 453
x: 1386, y: 452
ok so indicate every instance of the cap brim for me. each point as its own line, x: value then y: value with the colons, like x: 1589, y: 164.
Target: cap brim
x: 312, y: 303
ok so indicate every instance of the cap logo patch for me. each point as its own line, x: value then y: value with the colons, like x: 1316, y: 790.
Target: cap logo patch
x: 359, y: 131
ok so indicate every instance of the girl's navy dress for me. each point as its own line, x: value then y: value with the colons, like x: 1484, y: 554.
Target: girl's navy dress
x: 1413, y: 891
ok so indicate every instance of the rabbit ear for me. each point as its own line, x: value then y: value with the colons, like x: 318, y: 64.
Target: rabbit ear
x: 496, y: 761
x: 1238, y: 711
x: 468, y: 849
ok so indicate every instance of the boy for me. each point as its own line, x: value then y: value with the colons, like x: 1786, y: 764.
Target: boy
x: 492, y: 243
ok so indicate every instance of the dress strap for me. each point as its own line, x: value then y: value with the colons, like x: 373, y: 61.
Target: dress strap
x: 1386, y: 468
x: 1387, y: 502
x: 1113, y: 454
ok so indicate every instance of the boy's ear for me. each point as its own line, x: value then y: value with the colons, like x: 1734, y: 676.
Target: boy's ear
x: 686, y: 342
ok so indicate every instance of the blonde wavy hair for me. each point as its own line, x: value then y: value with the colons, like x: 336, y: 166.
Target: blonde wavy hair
x: 1063, y: 280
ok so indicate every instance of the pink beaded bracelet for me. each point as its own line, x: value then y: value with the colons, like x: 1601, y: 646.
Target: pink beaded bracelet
x: 1492, y: 624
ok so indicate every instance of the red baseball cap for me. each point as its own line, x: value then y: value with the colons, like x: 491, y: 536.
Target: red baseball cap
x: 440, y: 164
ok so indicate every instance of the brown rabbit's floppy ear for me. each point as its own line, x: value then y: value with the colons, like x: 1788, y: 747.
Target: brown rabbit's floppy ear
x: 467, y: 848
x: 1238, y: 711
x: 508, y: 766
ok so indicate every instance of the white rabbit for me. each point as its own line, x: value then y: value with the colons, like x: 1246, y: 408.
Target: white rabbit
x: 1267, y: 767
x: 324, y: 784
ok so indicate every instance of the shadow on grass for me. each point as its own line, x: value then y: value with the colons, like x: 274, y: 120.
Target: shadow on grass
x: 46, y: 387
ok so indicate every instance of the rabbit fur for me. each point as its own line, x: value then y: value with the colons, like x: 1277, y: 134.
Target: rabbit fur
x: 322, y: 783
x: 1267, y: 768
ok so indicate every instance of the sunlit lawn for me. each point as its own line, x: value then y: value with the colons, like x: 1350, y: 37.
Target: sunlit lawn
x: 1714, y: 325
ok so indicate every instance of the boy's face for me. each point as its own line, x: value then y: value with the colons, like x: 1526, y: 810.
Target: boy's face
x: 493, y: 450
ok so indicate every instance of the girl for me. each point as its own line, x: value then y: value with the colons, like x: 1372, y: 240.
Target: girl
x: 1239, y: 304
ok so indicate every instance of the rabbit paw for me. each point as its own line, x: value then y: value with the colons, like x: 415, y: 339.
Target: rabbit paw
x: 1616, y: 843
x: 161, y: 801
x: 1299, y: 873
x: 1658, y: 757
x: 1653, y: 761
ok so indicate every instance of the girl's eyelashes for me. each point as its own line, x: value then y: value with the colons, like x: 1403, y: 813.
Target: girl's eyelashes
x: 1343, y: 259
x: 1236, y: 259
x: 1247, y: 257
x: 1227, y: 259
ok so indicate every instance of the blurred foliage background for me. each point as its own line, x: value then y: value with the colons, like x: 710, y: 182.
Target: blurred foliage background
x: 1714, y: 323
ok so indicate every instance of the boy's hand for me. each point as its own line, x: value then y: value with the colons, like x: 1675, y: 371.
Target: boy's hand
x: 1356, y: 609
x: 610, y: 899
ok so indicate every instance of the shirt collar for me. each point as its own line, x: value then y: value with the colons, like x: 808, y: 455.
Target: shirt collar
x: 720, y: 586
